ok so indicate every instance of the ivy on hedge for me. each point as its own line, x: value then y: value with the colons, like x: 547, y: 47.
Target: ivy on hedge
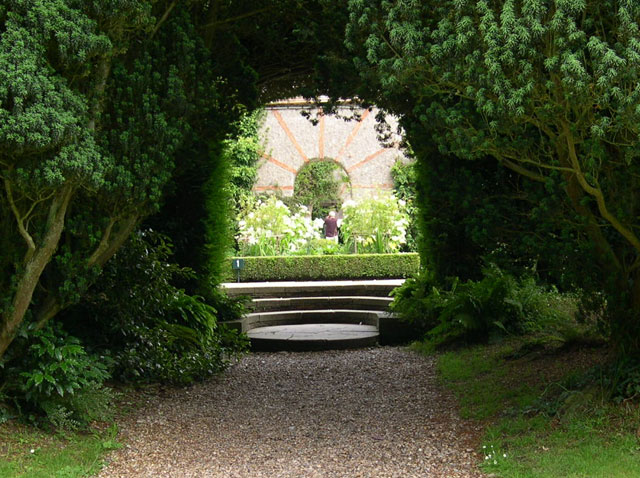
x: 348, y: 266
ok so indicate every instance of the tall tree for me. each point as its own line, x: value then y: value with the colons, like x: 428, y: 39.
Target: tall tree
x: 101, y: 103
x: 549, y: 89
x: 55, y: 62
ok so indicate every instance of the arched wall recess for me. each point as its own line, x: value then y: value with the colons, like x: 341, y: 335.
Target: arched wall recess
x: 291, y: 141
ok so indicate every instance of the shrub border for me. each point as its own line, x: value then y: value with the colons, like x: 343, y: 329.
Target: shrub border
x: 327, y: 267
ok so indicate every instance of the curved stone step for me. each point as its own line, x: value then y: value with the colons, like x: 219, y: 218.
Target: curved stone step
x: 379, y: 288
x: 320, y: 316
x: 331, y: 302
x: 321, y: 336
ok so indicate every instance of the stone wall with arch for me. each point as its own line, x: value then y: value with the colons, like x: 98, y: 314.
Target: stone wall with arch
x: 291, y: 140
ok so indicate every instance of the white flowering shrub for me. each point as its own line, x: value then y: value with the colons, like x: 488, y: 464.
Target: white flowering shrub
x: 270, y: 228
x: 375, y: 225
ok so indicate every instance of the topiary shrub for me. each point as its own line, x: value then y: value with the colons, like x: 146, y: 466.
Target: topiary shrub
x: 318, y: 185
x: 326, y: 267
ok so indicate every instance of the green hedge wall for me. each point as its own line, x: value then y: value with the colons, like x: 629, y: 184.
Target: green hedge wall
x: 348, y: 266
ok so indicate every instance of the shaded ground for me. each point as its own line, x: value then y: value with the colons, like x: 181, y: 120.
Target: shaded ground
x: 363, y: 413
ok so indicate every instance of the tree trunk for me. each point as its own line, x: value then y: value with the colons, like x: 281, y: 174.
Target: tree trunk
x: 624, y: 310
x: 606, y: 255
x: 622, y: 289
x: 109, y: 245
x: 30, y: 275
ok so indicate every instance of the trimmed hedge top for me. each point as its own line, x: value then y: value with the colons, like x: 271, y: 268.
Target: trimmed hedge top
x: 347, y: 266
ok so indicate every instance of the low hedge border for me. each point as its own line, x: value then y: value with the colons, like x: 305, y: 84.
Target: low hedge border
x: 330, y: 267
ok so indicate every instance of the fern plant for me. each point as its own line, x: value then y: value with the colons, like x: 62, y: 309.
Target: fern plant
x: 57, y: 379
x: 474, y: 311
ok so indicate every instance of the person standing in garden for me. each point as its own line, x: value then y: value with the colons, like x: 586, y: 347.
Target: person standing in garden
x: 331, y: 226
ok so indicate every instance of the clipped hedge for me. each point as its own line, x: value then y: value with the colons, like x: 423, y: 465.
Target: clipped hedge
x: 347, y: 266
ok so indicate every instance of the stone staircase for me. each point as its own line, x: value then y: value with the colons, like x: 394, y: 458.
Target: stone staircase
x: 318, y: 315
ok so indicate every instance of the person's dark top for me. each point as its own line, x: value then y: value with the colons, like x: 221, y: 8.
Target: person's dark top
x: 330, y: 227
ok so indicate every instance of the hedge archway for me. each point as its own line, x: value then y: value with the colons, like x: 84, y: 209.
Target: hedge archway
x: 321, y: 185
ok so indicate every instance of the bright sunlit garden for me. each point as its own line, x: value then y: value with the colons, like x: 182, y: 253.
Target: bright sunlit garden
x: 374, y: 225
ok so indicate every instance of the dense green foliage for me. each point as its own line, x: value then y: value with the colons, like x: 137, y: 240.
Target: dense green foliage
x: 58, y: 379
x: 111, y: 112
x: 55, y: 68
x: 327, y: 267
x: 476, y: 212
x: 93, y: 127
x: 318, y: 185
x: 243, y: 149
x: 117, y: 113
x: 374, y: 225
x: 156, y: 332
x: 114, y: 110
x: 498, y: 305
x: 548, y: 90
x: 404, y: 186
x: 218, y: 223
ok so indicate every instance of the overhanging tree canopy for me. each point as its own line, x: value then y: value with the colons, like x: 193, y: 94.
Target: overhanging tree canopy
x: 548, y: 89
x: 101, y: 102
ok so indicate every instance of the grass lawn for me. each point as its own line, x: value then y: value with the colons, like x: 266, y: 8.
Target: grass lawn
x: 26, y: 451
x: 539, y: 424
x: 29, y: 452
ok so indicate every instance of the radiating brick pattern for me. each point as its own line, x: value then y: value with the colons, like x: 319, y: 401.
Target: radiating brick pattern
x: 291, y: 139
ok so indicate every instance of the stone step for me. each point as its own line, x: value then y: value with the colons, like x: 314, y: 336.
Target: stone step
x: 311, y: 303
x: 377, y: 288
x: 320, y: 316
x: 301, y: 337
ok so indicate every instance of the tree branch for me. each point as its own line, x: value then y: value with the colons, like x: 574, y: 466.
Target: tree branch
x: 105, y: 251
x: 104, y: 241
x: 108, y: 246
x: 31, y: 245
x: 523, y: 171
x: 163, y: 18
x: 597, y: 193
x: 238, y: 17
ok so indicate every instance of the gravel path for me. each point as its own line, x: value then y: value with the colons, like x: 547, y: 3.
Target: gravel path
x: 372, y: 413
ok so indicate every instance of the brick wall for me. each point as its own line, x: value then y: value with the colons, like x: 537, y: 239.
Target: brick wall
x: 290, y: 140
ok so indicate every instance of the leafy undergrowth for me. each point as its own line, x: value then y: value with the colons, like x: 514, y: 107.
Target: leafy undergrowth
x: 545, y: 415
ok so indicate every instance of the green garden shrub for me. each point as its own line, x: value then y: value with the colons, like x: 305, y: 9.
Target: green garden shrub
x: 327, y: 267
x: 474, y: 311
x: 404, y: 185
x: 374, y: 225
x: 318, y: 184
x: 55, y: 381
x: 155, y: 331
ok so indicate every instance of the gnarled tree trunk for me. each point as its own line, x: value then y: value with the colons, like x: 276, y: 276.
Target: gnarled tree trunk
x: 34, y: 266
